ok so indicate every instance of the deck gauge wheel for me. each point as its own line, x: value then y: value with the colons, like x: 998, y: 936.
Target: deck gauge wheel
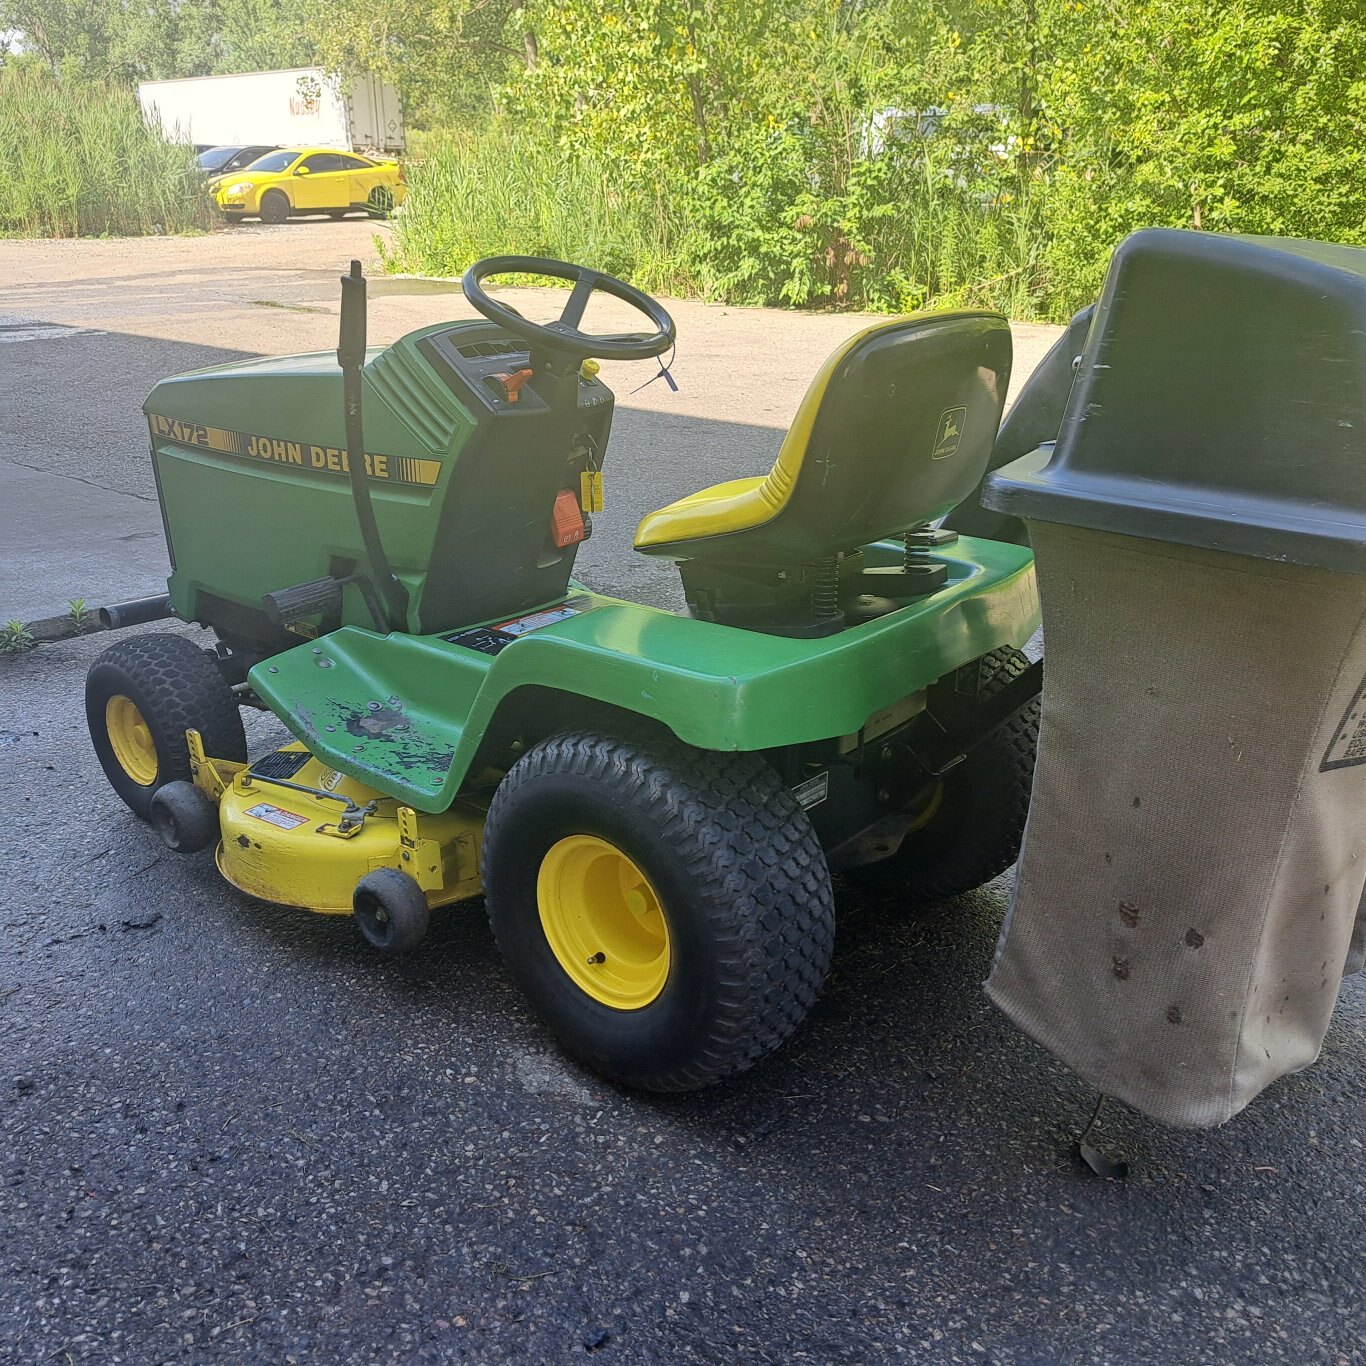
x: 391, y: 910
x: 184, y: 817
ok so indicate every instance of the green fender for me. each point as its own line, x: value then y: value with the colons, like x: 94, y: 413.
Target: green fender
x: 406, y: 714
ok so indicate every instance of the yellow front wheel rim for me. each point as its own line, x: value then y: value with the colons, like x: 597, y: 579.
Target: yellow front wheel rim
x: 130, y: 737
x: 603, y: 922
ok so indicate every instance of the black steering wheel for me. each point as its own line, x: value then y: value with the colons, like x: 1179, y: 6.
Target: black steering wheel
x: 564, y: 335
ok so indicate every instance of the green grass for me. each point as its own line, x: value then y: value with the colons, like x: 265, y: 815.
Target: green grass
x: 486, y: 193
x: 77, y: 160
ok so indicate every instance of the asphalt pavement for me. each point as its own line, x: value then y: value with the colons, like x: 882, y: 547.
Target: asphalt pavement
x: 229, y: 1131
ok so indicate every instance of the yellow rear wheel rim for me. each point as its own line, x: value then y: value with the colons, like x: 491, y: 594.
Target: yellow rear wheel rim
x: 130, y: 737
x: 928, y: 810
x: 603, y: 922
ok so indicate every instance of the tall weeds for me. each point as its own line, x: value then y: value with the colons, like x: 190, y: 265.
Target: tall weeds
x: 492, y: 191
x: 77, y: 159
x: 758, y: 225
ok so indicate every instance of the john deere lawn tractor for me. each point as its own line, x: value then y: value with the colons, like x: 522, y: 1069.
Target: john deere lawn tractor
x: 650, y: 803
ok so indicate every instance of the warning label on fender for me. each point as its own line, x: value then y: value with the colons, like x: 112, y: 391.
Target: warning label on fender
x: 277, y: 815
x: 1348, y: 745
x: 521, y: 625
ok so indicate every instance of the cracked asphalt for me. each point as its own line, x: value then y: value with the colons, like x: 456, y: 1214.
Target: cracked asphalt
x: 232, y: 1132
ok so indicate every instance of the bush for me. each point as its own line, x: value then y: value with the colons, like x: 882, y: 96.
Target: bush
x: 1245, y: 119
x: 77, y: 159
x: 928, y: 221
x: 756, y: 225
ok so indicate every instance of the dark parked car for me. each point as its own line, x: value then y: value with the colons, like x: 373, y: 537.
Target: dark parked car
x: 217, y: 161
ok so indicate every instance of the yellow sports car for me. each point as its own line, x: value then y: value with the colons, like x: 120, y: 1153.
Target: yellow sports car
x: 299, y: 180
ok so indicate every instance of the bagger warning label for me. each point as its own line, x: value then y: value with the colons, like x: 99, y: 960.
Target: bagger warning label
x: 300, y: 455
x: 1348, y: 745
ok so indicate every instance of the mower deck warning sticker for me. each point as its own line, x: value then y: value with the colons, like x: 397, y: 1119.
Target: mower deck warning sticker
x: 1348, y: 745
x: 277, y: 815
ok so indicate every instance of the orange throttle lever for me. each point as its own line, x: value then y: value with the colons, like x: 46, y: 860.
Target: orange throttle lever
x: 512, y: 383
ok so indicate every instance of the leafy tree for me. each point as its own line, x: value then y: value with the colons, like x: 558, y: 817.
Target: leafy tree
x: 647, y: 83
x: 446, y: 57
x: 131, y: 40
x: 1247, y: 118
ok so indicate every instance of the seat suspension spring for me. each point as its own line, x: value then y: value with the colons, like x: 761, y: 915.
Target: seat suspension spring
x: 825, y: 587
x: 915, y: 553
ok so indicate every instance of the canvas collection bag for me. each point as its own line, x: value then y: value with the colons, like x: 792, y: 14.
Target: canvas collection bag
x: 1191, y: 886
x: 1356, y: 956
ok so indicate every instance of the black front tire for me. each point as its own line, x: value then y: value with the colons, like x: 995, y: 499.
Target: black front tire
x: 274, y: 206
x: 233, y: 217
x: 391, y: 910
x: 174, y: 686
x: 976, y: 817
x: 739, y: 877
x: 184, y: 817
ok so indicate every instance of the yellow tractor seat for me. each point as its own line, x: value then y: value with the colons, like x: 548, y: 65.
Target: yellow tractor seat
x: 895, y: 431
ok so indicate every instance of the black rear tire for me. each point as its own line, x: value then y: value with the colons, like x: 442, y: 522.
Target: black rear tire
x: 391, y: 910
x: 381, y: 202
x: 274, y: 206
x: 172, y: 686
x: 730, y: 864
x: 976, y: 817
x: 184, y: 817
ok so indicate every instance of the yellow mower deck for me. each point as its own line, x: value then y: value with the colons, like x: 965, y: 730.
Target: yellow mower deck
x: 299, y: 833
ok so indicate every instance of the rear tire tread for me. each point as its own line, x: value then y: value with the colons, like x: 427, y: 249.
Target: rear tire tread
x: 970, y: 853
x: 775, y: 960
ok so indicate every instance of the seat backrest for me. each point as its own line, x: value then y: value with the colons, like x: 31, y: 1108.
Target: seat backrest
x: 895, y: 430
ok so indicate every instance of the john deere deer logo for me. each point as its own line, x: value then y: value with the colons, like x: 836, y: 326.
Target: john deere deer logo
x: 950, y: 434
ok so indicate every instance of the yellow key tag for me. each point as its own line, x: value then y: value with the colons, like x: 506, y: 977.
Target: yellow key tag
x: 590, y: 491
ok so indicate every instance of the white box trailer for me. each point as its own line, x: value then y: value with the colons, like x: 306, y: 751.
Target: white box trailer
x: 303, y: 107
